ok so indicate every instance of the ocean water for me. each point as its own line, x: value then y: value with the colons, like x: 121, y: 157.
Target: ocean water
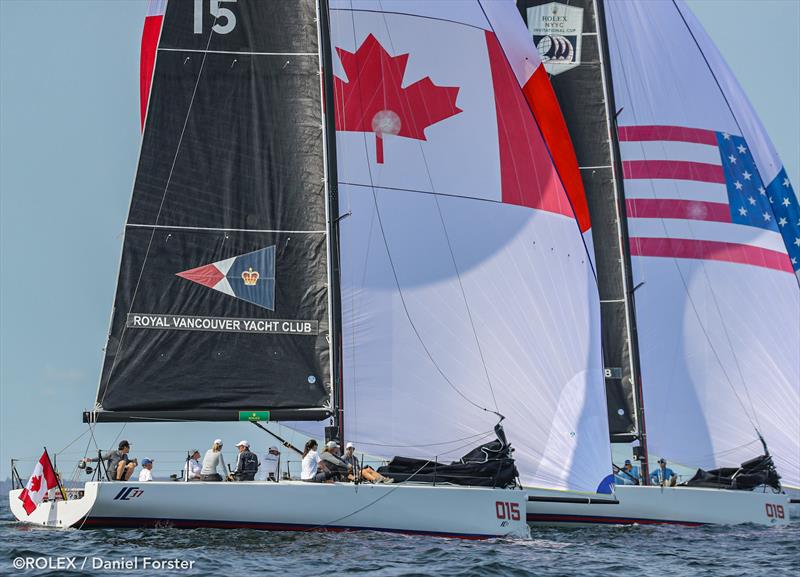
x: 651, y: 551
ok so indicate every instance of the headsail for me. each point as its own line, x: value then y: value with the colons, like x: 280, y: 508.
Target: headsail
x: 569, y: 36
x: 715, y: 238
x: 466, y: 286
x: 222, y: 301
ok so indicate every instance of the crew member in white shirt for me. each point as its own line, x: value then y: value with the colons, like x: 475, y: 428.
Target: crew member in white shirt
x: 270, y: 465
x: 193, y: 466
x: 146, y: 474
x: 310, y: 471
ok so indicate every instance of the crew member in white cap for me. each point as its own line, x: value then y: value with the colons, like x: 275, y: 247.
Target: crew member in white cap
x: 212, y: 461
x: 350, y: 457
x: 246, y: 463
x: 367, y: 473
x: 333, y: 464
x: 270, y: 465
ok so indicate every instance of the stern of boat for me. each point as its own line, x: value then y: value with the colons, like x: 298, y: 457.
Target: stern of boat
x: 56, y: 512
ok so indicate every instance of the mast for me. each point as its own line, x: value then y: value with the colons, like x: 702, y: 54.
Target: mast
x: 331, y: 186
x: 624, y: 243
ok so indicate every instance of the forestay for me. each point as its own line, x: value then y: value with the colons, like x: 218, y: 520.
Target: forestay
x: 466, y: 286
x: 222, y: 300
x: 715, y: 238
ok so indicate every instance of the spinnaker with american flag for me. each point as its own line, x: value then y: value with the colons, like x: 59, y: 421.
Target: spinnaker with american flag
x: 714, y: 239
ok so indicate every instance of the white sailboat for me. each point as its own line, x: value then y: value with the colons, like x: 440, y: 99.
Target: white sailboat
x: 692, y: 210
x: 409, y: 267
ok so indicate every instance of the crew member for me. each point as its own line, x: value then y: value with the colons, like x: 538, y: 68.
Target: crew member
x: 246, y: 463
x: 212, y: 461
x: 663, y: 476
x: 627, y: 475
x: 270, y: 465
x: 146, y: 474
x: 120, y: 466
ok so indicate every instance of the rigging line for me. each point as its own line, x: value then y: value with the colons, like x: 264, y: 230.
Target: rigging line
x: 463, y: 293
x: 394, y: 270
x: 684, y: 281
x: 72, y: 442
x: 160, y: 207
x: 468, y: 438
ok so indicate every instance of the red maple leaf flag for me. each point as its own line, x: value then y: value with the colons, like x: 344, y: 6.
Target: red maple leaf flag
x: 374, y: 100
x: 42, y: 480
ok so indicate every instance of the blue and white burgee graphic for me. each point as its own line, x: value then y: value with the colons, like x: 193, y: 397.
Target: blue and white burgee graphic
x: 249, y: 276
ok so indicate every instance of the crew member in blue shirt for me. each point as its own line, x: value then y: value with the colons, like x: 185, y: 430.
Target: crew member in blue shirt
x: 663, y: 476
x: 627, y: 475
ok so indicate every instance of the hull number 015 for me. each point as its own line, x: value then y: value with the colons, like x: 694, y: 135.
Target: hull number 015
x: 507, y: 511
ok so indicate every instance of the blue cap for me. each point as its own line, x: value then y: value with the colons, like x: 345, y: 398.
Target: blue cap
x: 147, y: 462
x: 627, y: 461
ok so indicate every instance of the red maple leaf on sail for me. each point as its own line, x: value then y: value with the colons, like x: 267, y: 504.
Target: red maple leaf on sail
x: 374, y: 100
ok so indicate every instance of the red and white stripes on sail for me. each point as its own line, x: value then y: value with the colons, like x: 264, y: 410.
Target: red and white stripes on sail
x: 147, y: 57
x: 678, y: 204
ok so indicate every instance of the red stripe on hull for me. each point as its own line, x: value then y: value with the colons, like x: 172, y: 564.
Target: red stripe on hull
x: 711, y: 250
x: 527, y: 173
x: 135, y: 522
x: 673, y: 170
x: 669, y: 133
x: 683, y: 209
x: 150, y: 34
x: 546, y: 518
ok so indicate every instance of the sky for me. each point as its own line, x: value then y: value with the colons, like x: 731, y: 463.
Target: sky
x: 69, y: 139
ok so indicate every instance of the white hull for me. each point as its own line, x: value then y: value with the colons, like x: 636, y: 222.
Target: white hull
x: 656, y: 506
x: 465, y: 512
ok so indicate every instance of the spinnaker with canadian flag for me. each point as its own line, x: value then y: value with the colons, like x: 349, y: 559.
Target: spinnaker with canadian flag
x: 467, y: 289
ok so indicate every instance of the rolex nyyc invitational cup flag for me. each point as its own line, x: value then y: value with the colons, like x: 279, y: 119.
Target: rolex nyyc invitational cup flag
x: 42, y: 480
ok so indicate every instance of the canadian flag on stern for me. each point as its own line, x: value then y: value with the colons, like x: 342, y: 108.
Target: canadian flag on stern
x: 42, y: 480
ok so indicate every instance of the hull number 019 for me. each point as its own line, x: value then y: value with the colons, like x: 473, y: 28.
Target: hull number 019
x: 774, y: 511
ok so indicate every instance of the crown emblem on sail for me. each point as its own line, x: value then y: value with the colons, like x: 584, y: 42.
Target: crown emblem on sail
x: 374, y: 100
x: 250, y: 277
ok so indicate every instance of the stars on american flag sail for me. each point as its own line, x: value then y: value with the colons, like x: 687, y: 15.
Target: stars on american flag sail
x: 772, y: 206
x: 684, y: 184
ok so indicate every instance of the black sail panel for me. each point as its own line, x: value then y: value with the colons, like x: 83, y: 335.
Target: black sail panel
x: 580, y: 92
x: 222, y: 298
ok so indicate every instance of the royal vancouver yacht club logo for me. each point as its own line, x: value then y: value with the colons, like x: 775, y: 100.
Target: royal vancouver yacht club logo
x: 249, y: 277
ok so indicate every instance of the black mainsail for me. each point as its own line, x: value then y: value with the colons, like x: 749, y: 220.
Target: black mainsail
x: 575, y: 36
x: 222, y: 293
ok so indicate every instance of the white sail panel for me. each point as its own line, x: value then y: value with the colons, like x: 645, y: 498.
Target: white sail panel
x: 466, y: 288
x: 711, y: 218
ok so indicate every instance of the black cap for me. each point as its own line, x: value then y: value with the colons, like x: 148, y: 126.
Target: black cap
x: 122, y: 444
